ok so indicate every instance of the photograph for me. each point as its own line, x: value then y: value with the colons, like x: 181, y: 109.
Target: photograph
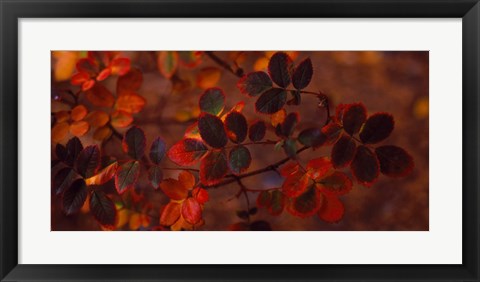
x: 239, y: 140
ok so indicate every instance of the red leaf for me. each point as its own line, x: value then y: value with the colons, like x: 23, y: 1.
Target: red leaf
x: 100, y: 96
x: 239, y: 159
x: 264, y: 199
x: 280, y: 67
x: 88, y: 66
x: 354, y: 116
x: 254, y: 83
x: 157, y: 150
x: 307, y: 204
x: 289, y: 169
x: 394, y: 161
x: 103, y: 209
x: 212, y: 130
x: 377, y: 128
x: 319, y: 167
x: 277, y: 202
x: 167, y: 63
x: 336, y: 183
x: 332, y: 132
x: 213, y: 167
x: 187, y: 151
x: 88, y: 161
x: 130, y: 82
x: 134, y: 142
x: 236, y: 127
x: 126, y: 176
x: 170, y: 214
x: 80, y: 78
x: 312, y: 137
x: 343, y: 151
x: 201, y: 195
x: 303, y: 74
x: 365, y: 166
x: 257, y: 131
x: 174, y: 189
x: 120, y: 66
x: 212, y: 101
x: 104, y: 74
x: 332, y: 209
x: 295, y: 184
x: 74, y: 197
x: 155, y: 176
x: 191, y: 211
x: 271, y: 101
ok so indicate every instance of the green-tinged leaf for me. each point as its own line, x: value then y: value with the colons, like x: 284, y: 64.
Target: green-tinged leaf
x: 365, y: 166
x: 303, y: 74
x: 212, y: 130
x: 271, y: 101
x: 88, y: 161
x: 134, y: 142
x: 167, y: 63
x: 264, y: 199
x: 157, y: 150
x: 312, y: 137
x: 290, y: 148
x: 354, y: 115
x: 257, y: 131
x: 277, y: 203
x: 307, y: 204
x: 74, y: 197
x: 377, y: 128
x: 155, y: 176
x: 343, y: 151
x: 394, y: 161
x: 236, y: 127
x: 280, y: 68
x: 187, y: 151
x: 103, y: 209
x: 126, y: 176
x: 213, y: 167
x: 212, y: 101
x: 63, y: 179
x: 254, y: 83
x: 239, y: 159
x: 295, y: 184
x: 336, y: 183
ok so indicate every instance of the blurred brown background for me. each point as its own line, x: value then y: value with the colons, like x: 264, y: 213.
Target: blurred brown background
x: 393, y: 82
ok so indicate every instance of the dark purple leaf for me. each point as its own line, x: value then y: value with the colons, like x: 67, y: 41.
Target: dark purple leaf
x: 377, y: 128
x: 343, y: 151
x: 213, y: 167
x: 74, y: 197
x: 157, y: 150
x: 354, y: 116
x: 155, y: 176
x: 394, y: 161
x: 303, y: 74
x: 280, y: 68
x: 134, y: 142
x: 271, y: 101
x: 126, y: 176
x: 212, y: 130
x: 257, y: 131
x: 239, y: 159
x: 103, y: 209
x: 74, y: 147
x: 88, y: 161
x: 365, y: 166
x: 254, y: 83
x: 63, y: 179
x: 236, y: 127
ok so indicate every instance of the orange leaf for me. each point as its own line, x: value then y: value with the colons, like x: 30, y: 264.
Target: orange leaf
x: 170, y: 214
x: 174, y: 189
x: 103, y: 176
x: 261, y: 64
x: 121, y: 119
x: 87, y: 85
x: 187, y: 179
x: 60, y: 131
x: 167, y: 63
x: 120, y: 66
x: 102, y: 133
x: 104, y: 74
x: 97, y: 118
x: 191, y: 211
x: 79, y: 78
x: 64, y: 64
x: 62, y: 116
x: 208, y: 77
x: 278, y: 117
x: 100, y: 96
x: 79, y: 128
x: 201, y: 195
x: 130, y: 103
x: 79, y: 112
x: 295, y: 184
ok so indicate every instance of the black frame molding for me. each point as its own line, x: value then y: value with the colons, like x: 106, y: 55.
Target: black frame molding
x: 11, y: 11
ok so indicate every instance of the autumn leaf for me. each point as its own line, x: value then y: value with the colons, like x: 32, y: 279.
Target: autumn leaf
x: 212, y: 130
x: 365, y: 166
x: 343, y: 151
x: 256, y: 131
x: 74, y: 197
x: 130, y: 103
x: 332, y: 209
x: 377, y: 128
x: 155, y: 176
x: 100, y: 96
x: 312, y: 137
x: 280, y: 68
x: 88, y: 161
x: 104, y: 175
x: 354, y: 115
x: 187, y: 151
x: 63, y: 179
x: 134, y: 142
x: 213, y: 167
x: 103, y: 209
x: 191, y: 211
x: 255, y: 83
x: 303, y: 74
x: 170, y: 214
x: 336, y: 183
x: 306, y: 204
x: 121, y: 119
x: 78, y: 113
x: 130, y: 82
x: 212, y: 101
x: 271, y: 101
x: 167, y: 63
x: 394, y: 161
x: 236, y: 127
x: 126, y: 176
x: 208, y: 77
x: 157, y: 150
x: 239, y: 159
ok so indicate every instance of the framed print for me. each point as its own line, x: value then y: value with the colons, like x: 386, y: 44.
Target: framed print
x: 208, y: 140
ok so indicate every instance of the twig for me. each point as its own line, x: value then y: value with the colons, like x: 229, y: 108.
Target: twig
x: 223, y: 64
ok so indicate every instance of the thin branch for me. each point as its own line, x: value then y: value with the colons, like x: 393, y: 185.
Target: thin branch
x: 225, y: 65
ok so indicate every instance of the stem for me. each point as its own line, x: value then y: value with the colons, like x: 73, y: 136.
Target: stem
x: 269, y: 142
x: 272, y: 167
x: 223, y: 64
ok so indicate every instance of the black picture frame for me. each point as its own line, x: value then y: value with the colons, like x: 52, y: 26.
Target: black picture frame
x: 11, y: 11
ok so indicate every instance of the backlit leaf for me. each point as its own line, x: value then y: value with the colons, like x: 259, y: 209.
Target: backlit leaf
x: 280, y: 68
x: 332, y: 209
x: 74, y: 197
x: 88, y: 161
x: 130, y: 103
x: 126, y: 176
x: 332, y: 131
x: 120, y: 66
x: 191, y: 211
x: 257, y: 131
x: 212, y: 130
x: 307, y: 204
x: 277, y: 202
x: 174, y: 189
x: 130, y: 82
x: 303, y: 74
x: 78, y: 113
x: 103, y: 209
x: 208, y: 77
x: 155, y: 176
x: 394, y: 161
x: 100, y: 96
x: 97, y: 118
x: 170, y: 214
x: 79, y: 128
x: 63, y: 179
x: 336, y: 183
x: 290, y: 168
x: 201, y: 195
x: 271, y: 101
x: 167, y: 63
x: 213, y: 167
x: 187, y: 151
x: 190, y: 59
x: 365, y: 166
x: 312, y: 137
x: 343, y: 151
x: 212, y: 101
x: 121, y: 119
x: 354, y: 116
x: 87, y: 66
x: 319, y: 167
x: 104, y: 175
x: 236, y: 127
x: 239, y: 159
x: 187, y: 179
x: 60, y: 131
x: 102, y: 133
x: 134, y: 142
x: 377, y: 128
x: 254, y: 83
x: 278, y: 117
x: 157, y: 150
x: 295, y: 184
